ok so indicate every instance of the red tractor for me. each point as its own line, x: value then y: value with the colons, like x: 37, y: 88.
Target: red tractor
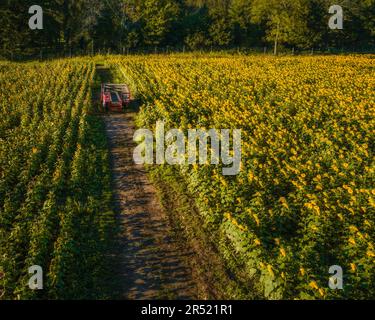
x: 114, y: 97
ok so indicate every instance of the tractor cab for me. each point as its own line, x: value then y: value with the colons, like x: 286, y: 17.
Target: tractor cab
x: 114, y: 97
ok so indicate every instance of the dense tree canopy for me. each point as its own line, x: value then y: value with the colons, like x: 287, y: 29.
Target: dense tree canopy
x: 125, y: 24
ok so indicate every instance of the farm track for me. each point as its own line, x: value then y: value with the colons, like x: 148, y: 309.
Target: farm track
x: 151, y: 265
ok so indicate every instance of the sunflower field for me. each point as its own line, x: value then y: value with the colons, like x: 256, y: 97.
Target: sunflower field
x: 302, y: 202
x: 304, y: 198
x: 55, y: 197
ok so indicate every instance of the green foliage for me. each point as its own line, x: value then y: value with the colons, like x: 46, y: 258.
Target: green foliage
x: 118, y: 24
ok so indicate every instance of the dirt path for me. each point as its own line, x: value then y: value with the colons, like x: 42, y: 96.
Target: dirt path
x: 152, y: 264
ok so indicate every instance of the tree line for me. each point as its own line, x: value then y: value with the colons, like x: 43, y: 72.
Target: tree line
x: 120, y: 25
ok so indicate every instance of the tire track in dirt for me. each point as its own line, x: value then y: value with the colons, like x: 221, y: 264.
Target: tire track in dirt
x: 152, y: 265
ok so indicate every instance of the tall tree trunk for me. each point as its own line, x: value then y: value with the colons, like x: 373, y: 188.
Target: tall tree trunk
x: 275, y: 51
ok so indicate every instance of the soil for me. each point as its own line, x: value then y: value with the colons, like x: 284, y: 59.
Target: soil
x: 152, y: 262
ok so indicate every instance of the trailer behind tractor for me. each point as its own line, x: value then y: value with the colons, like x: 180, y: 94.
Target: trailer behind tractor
x: 114, y: 97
